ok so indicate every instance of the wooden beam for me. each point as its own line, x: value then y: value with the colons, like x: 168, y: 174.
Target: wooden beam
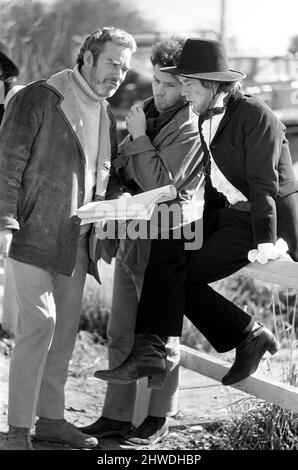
x: 257, y: 385
x: 284, y: 273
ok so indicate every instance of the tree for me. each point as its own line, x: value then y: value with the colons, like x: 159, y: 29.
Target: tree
x: 42, y: 36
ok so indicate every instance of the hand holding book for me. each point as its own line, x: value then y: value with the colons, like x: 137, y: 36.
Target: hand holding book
x: 140, y: 206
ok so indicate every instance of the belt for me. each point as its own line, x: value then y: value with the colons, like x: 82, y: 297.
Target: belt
x: 243, y: 206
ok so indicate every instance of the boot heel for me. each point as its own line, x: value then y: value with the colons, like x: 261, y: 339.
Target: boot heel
x: 273, y: 347
x: 156, y: 380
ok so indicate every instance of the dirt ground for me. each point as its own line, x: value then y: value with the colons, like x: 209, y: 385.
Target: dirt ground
x: 203, y: 403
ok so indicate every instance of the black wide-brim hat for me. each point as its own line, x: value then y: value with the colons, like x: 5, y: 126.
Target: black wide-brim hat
x: 6, y: 62
x: 205, y: 59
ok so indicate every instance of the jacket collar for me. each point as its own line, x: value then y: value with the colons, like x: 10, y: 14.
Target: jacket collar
x: 156, y: 121
x: 181, y: 116
x: 232, y: 104
x: 66, y: 106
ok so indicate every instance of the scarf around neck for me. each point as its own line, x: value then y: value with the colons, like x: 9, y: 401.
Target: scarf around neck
x: 156, y: 120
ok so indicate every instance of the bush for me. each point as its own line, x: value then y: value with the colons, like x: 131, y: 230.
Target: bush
x: 96, y: 305
x: 263, y: 427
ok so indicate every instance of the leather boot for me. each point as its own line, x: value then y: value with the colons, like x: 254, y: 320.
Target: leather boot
x: 249, y: 353
x: 147, y: 359
x: 107, y: 427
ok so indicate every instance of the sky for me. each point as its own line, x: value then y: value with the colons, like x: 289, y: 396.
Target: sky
x: 259, y: 26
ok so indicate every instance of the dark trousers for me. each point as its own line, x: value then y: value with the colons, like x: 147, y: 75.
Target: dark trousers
x: 176, y: 282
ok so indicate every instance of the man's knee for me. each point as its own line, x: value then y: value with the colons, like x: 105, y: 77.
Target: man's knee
x: 173, y: 352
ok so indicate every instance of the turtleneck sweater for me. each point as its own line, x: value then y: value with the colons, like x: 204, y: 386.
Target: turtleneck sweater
x: 88, y: 104
x: 87, y: 114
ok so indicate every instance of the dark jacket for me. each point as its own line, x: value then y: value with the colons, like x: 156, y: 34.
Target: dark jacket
x: 252, y: 152
x: 42, y: 167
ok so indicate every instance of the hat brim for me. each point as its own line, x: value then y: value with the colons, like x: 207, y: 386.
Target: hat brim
x: 229, y: 76
x: 9, y: 63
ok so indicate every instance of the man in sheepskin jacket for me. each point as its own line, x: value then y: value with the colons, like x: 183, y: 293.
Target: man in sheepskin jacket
x: 56, y: 144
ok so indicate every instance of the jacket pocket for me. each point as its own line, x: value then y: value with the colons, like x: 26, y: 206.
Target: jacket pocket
x: 46, y: 216
x: 29, y: 204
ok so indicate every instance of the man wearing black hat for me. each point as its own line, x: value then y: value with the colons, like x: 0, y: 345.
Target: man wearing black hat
x: 251, y: 200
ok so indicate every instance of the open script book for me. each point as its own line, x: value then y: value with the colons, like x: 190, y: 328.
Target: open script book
x: 140, y: 206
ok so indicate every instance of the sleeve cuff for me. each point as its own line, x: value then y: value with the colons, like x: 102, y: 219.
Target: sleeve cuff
x: 268, y: 251
x: 9, y: 223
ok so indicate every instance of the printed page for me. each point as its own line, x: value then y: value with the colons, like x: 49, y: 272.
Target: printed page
x: 140, y: 206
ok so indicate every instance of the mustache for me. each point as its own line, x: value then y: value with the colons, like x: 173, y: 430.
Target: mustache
x: 112, y: 81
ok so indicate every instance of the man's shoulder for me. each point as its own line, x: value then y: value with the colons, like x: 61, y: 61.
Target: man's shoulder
x: 250, y: 111
x: 254, y: 106
x: 183, y: 126
x: 35, y: 92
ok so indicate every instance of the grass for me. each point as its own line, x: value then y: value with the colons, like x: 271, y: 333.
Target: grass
x: 96, y: 305
x: 263, y: 427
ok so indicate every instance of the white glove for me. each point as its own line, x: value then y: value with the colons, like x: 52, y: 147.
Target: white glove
x: 269, y: 251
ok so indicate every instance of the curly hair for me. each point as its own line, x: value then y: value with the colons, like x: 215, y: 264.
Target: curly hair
x: 166, y: 53
x: 96, y: 42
